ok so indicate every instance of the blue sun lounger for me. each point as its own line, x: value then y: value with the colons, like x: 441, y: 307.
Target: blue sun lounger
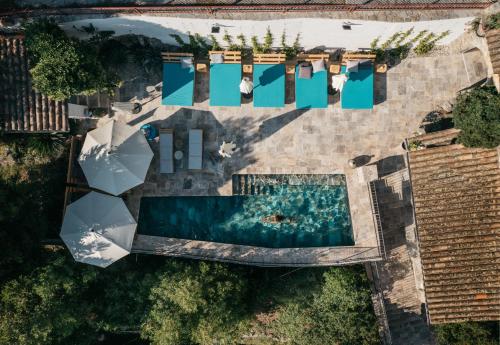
x: 311, y: 93
x: 269, y: 80
x: 225, y: 78
x: 178, y: 81
x: 358, y: 89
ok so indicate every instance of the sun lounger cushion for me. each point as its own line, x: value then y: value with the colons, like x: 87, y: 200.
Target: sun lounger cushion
x: 313, y: 92
x: 166, y: 152
x: 216, y: 58
x: 269, y: 85
x: 305, y: 71
x: 195, y: 149
x: 225, y: 84
x: 186, y: 62
x: 178, y: 85
x: 318, y: 66
x: 352, y: 65
x: 358, y: 89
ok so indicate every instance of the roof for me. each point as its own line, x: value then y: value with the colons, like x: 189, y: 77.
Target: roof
x: 22, y: 109
x: 493, y: 40
x: 456, y: 193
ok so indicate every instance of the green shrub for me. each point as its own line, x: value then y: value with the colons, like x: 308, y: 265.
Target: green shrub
x: 64, y: 66
x: 492, y: 22
x: 45, y: 145
x: 427, y: 43
x: 214, y: 43
x: 262, y: 48
x: 477, y: 114
x: 229, y: 41
x: 290, y: 51
x: 467, y: 333
x: 195, y: 45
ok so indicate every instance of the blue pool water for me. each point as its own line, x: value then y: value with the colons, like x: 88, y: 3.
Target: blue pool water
x: 316, y: 215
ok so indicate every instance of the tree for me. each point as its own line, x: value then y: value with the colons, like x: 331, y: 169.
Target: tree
x: 196, y: 303
x: 338, y: 312
x: 477, y: 114
x: 467, y: 333
x: 31, y: 194
x: 50, y: 306
x: 64, y: 66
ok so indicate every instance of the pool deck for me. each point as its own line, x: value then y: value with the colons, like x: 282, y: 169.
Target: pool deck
x: 290, y: 141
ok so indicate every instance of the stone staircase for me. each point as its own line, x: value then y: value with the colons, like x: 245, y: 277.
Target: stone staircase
x: 396, y: 279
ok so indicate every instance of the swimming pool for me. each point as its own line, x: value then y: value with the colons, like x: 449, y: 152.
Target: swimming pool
x: 315, y: 211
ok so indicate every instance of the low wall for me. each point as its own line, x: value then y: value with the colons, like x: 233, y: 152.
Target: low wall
x: 256, y: 256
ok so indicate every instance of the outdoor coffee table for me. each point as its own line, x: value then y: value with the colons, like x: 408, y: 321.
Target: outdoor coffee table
x: 178, y: 155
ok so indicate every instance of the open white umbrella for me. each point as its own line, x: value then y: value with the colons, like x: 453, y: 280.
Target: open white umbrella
x: 98, y: 229
x: 115, y: 157
x: 246, y: 86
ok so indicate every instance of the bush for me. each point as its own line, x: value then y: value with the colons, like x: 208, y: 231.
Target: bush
x: 467, y: 333
x: 64, y: 66
x: 45, y: 145
x: 492, y: 22
x: 477, y: 114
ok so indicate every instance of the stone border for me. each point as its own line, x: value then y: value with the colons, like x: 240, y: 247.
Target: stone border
x: 257, y: 256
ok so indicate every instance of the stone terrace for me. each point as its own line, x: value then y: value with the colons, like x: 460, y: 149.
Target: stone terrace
x: 315, y: 141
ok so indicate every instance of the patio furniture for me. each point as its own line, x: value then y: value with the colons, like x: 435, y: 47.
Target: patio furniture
x: 381, y: 68
x: 115, y: 157
x: 178, y: 79
x: 227, y: 149
x: 358, y: 89
x: 313, y: 92
x: 225, y: 77
x: 195, y: 158
x: 149, y: 131
x: 178, y: 155
x: 269, y: 80
x: 246, y: 86
x: 166, y: 151
x: 334, y: 68
x: 338, y: 82
x: 98, y: 229
x: 201, y: 67
x: 248, y: 69
x: 357, y: 56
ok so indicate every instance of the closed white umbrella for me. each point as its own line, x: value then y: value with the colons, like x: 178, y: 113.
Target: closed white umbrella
x: 246, y: 86
x: 98, y: 229
x: 115, y: 157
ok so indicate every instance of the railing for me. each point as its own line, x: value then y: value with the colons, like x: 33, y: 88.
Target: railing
x: 379, y: 296
x: 376, y: 217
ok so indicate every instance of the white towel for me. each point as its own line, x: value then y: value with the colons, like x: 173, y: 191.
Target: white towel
x: 338, y: 82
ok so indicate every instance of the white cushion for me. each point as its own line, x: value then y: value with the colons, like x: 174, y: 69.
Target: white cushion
x: 352, y: 65
x: 216, y: 58
x: 186, y: 62
x: 318, y: 66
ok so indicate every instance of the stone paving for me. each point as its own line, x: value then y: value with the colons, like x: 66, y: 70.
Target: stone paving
x: 315, y: 141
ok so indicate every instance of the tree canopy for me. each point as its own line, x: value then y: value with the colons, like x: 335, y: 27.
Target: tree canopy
x: 467, y: 333
x: 477, y: 114
x: 196, y: 303
x: 339, y: 311
x: 62, y: 66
